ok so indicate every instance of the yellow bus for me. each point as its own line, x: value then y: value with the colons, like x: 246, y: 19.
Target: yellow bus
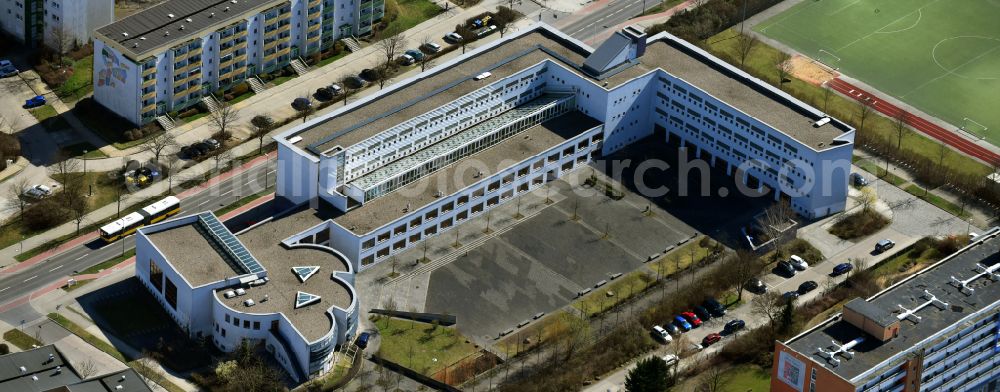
x: 148, y: 215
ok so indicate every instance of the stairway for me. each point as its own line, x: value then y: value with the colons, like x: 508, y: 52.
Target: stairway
x: 165, y: 122
x: 256, y: 85
x: 351, y: 44
x: 211, y: 103
x: 300, y: 67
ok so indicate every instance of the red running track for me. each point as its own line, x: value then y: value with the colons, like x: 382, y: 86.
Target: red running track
x: 960, y: 143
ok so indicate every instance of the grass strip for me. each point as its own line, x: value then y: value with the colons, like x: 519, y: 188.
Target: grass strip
x: 87, y: 336
x: 20, y: 339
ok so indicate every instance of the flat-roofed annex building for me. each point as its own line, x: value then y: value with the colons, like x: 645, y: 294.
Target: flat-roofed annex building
x: 270, y: 283
x: 170, y: 56
x: 46, y: 369
x: 434, y: 150
x: 937, y: 330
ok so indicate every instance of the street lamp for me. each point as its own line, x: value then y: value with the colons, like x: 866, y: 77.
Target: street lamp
x: 90, y: 191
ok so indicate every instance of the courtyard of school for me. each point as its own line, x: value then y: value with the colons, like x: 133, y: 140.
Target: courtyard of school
x: 535, y: 254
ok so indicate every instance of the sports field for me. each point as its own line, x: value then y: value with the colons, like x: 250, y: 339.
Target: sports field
x: 940, y: 56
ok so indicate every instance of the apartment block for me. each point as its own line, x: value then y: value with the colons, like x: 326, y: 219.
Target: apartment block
x: 938, y: 330
x: 58, y: 24
x: 172, y: 55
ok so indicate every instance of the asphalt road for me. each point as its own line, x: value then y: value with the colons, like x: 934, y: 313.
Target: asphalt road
x: 614, y: 13
x: 24, y: 282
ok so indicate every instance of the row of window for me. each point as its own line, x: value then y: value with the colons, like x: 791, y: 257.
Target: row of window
x: 246, y: 323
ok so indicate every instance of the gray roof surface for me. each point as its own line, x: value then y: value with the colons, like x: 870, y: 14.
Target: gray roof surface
x: 36, y: 361
x: 264, y: 242
x: 604, y: 54
x: 449, y: 179
x: 108, y: 382
x: 872, y: 353
x: 880, y: 316
x: 195, y: 256
x: 153, y: 22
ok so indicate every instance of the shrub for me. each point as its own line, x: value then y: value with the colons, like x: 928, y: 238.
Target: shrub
x: 710, y: 18
x: 190, y: 112
x: 859, y: 224
x: 4, y: 349
x: 44, y: 215
x: 130, y: 135
x: 228, y: 97
x: 239, y: 89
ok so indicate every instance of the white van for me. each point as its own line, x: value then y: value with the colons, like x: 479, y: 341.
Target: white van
x: 662, y: 334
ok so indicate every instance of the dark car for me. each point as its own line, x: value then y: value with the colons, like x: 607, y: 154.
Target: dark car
x: 301, y: 103
x: 672, y: 329
x: 354, y: 82
x: 842, y: 268
x: 884, y: 245
x: 202, y: 148
x: 416, y: 54
x: 790, y: 295
x: 756, y: 286
x: 681, y: 323
x: 785, y: 268
x: 692, y: 318
x: 734, y: 326
x: 369, y: 74
x: 858, y: 180
x: 714, y: 307
x: 34, y: 102
x: 807, y: 286
x: 324, y: 94
x: 362, y: 341
x: 702, y: 313
x: 711, y: 339
x: 7, y: 69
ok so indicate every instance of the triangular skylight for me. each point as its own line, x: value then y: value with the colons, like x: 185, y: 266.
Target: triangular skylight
x: 305, y: 272
x: 304, y: 298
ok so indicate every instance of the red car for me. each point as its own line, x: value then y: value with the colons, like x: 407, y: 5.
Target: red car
x: 710, y: 339
x: 692, y: 318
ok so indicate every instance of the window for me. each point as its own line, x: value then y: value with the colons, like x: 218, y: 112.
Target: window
x: 227, y: 318
x: 155, y: 276
x: 223, y: 332
x: 236, y: 321
x: 256, y: 325
x: 246, y: 324
x: 170, y: 293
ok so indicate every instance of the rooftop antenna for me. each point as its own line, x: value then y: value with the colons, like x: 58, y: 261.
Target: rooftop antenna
x: 963, y: 285
x: 911, y: 314
x: 843, y: 350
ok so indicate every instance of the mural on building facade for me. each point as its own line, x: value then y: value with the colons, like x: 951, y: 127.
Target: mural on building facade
x: 114, y: 69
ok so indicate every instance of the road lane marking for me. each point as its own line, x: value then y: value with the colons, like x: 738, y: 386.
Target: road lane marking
x: 226, y: 192
x: 33, y: 277
x: 55, y: 268
x: 4, y: 289
x: 84, y: 255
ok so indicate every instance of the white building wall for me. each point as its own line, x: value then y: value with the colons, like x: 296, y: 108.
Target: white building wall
x: 117, y: 82
x: 76, y: 19
x: 298, y: 174
x: 12, y: 17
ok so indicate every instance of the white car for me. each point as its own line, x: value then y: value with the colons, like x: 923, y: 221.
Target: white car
x: 798, y: 263
x: 38, y: 191
x: 483, y: 75
x: 671, y: 359
x: 662, y: 334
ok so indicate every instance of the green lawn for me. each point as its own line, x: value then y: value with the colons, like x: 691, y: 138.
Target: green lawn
x: 241, y: 98
x: 411, y: 13
x: 939, y: 56
x: 81, y: 82
x: 937, y: 201
x: 740, y: 378
x: 44, y: 112
x: 331, y: 59
x: 662, y: 6
x: 880, y: 172
x: 87, y: 336
x: 281, y: 79
x: 432, y: 348
x: 761, y: 63
x: 21, y: 339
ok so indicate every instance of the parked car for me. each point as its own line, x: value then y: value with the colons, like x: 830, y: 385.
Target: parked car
x: 661, y: 334
x: 486, y: 30
x: 714, y: 307
x: 362, y: 341
x: 807, y: 286
x: 790, y: 295
x: 734, y: 326
x: 415, y: 54
x: 406, y: 59
x: 369, y: 74
x: 37, y: 191
x: 711, y: 339
x: 336, y: 89
x: 858, y: 180
x: 453, y: 37
x: 34, y: 102
x: 884, y: 245
x: 202, y: 147
x: 355, y: 82
x: 324, y: 94
x: 692, y: 318
x: 702, y: 313
x: 301, y: 103
x: 785, y: 268
x: 214, y: 144
x: 681, y: 323
x: 756, y: 286
x: 672, y: 329
x: 431, y: 47
x: 671, y: 359
x: 7, y: 69
x: 798, y: 263
x: 187, y: 152
x: 842, y: 268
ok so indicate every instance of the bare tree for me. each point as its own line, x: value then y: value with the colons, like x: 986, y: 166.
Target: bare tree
x: 86, y: 368
x: 774, y: 221
x: 744, y: 45
x: 867, y: 198
x: 223, y: 118
x: 78, y: 206
x: 158, y: 143
x: 261, y: 125
x: 504, y: 18
x: 467, y: 36
x: 743, y: 268
x: 305, y: 110
x: 348, y: 89
x: 827, y: 94
x: 426, y: 62
x: 768, y: 305
x: 391, y: 43
x: 59, y: 40
x: 15, y: 194
x: 864, y: 110
x: 222, y: 156
x: 784, y: 66
x: 901, y: 118
x: 712, y: 380
x: 67, y: 171
x: 148, y: 370
x: 859, y: 265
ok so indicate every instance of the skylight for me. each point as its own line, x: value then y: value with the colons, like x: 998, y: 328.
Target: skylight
x: 305, y: 272
x: 304, y: 299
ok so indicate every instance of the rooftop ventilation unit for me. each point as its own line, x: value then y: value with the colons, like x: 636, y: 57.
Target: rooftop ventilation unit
x: 963, y: 285
x: 844, y: 351
x: 911, y: 314
x: 225, y: 9
x: 52, y: 357
x: 188, y: 20
x: 124, y: 34
x: 122, y: 379
x: 248, y: 303
x: 823, y: 121
x: 240, y: 291
x: 166, y: 33
x: 142, y: 38
x: 34, y: 378
x: 58, y: 369
x: 266, y: 297
x: 295, y: 139
x: 23, y: 369
x: 229, y: 294
x: 212, y: 14
x: 119, y: 387
x: 182, y: 27
x: 171, y: 16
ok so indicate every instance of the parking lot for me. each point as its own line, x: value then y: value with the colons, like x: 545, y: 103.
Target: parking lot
x: 539, y: 264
